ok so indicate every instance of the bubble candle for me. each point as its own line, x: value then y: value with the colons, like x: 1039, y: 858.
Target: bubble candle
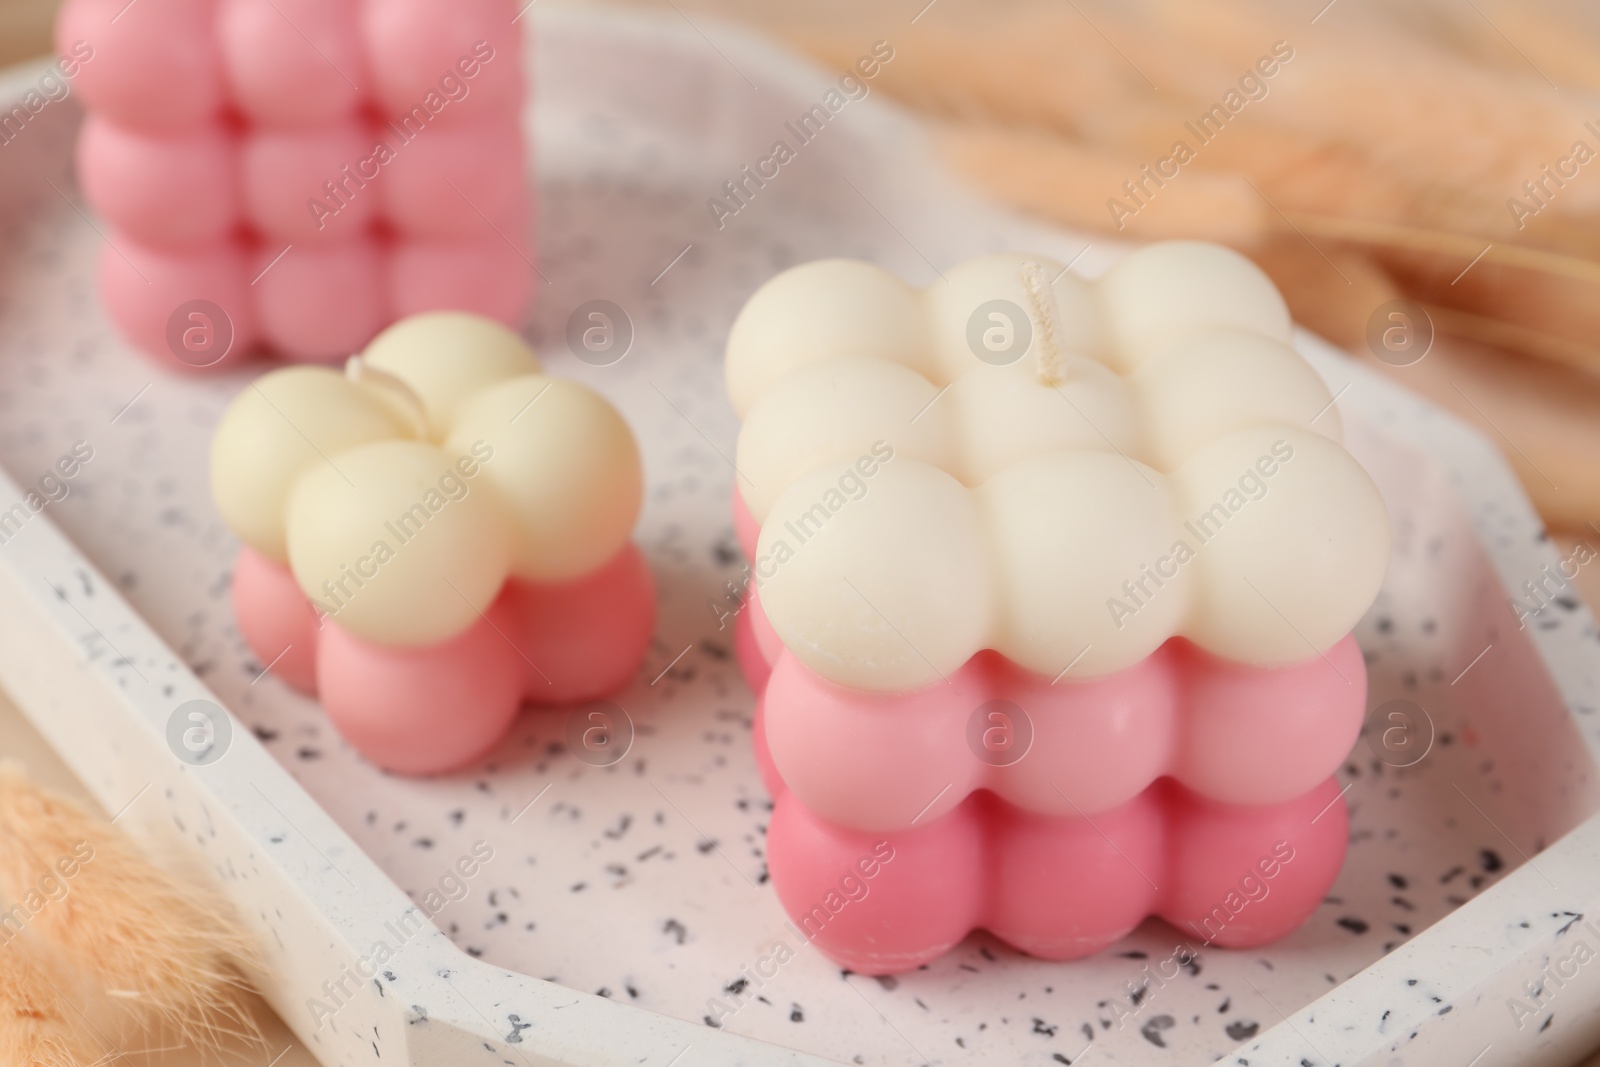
x: 297, y: 174
x: 1109, y: 523
x: 433, y: 537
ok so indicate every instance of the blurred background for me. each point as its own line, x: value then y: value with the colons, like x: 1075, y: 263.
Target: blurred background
x: 1440, y: 152
x: 24, y: 29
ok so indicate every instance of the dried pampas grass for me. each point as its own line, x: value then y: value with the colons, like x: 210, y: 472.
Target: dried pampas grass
x: 1064, y: 182
x: 152, y: 957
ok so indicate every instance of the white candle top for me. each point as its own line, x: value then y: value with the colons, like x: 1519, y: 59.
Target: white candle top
x: 1068, y: 472
x: 403, y: 492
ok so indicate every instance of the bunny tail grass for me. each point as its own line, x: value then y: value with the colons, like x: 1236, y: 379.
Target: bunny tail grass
x: 38, y: 1026
x: 162, y: 950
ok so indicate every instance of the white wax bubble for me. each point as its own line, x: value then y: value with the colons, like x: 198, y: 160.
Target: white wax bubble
x: 1001, y: 419
x: 283, y: 424
x: 973, y: 287
x: 838, y: 408
x: 1174, y: 289
x: 446, y: 358
x: 1078, y: 540
x: 827, y: 309
x: 1297, y: 543
x: 1137, y: 405
x: 394, y: 543
x: 882, y: 586
x: 1211, y: 384
x: 564, y: 466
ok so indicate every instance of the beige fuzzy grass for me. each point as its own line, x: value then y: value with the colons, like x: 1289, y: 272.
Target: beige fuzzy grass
x: 37, y: 1023
x: 1418, y: 116
x: 163, y: 953
x: 1065, y: 182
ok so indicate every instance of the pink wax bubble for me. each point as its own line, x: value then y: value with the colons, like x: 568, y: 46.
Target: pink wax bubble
x: 304, y: 186
x: 422, y: 710
x: 278, y: 618
x: 753, y: 660
x: 583, y: 639
x: 169, y: 188
x: 293, y: 63
x: 487, y: 276
x: 770, y: 778
x: 436, y: 709
x: 1056, y: 887
x: 765, y: 641
x: 154, y: 64
x: 1206, y: 893
x: 147, y: 291
x: 457, y: 182
x: 746, y: 530
x: 1238, y: 734
x: 251, y: 119
x: 455, y: 62
x: 321, y: 302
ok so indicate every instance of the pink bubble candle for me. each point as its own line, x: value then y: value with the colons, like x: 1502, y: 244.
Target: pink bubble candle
x: 1030, y: 555
x: 298, y: 174
x: 434, y: 537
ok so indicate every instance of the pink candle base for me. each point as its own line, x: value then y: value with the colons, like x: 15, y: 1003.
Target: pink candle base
x: 1231, y: 733
x: 1056, y: 888
x: 423, y: 711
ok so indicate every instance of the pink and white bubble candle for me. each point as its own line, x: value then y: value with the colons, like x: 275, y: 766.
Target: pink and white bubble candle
x: 435, y: 537
x: 294, y: 175
x: 1050, y: 593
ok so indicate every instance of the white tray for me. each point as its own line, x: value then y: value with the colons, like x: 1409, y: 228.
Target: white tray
x: 620, y: 900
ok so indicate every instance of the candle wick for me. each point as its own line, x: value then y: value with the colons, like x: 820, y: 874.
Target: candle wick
x: 391, y: 387
x: 1049, y: 363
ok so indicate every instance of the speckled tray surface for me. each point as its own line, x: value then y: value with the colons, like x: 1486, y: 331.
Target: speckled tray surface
x: 645, y: 882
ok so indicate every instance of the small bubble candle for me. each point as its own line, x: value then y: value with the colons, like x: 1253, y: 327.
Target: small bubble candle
x: 433, y: 537
x: 1026, y: 549
x: 297, y: 174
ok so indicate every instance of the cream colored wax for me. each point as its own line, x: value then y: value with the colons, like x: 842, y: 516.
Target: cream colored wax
x: 1158, y: 461
x: 403, y: 492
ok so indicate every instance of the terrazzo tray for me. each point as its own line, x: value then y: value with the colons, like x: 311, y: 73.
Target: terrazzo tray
x: 611, y: 914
